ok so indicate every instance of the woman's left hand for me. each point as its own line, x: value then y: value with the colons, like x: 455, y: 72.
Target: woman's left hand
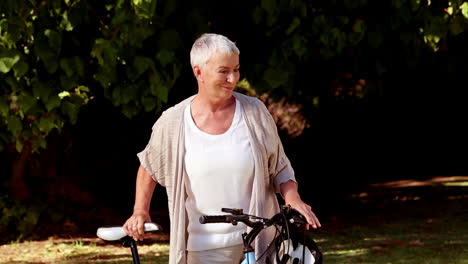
x: 306, y: 211
x: 291, y: 196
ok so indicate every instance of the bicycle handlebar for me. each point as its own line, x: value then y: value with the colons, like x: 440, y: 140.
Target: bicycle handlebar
x: 286, y: 216
x: 205, y: 219
x: 233, y: 219
x: 236, y: 216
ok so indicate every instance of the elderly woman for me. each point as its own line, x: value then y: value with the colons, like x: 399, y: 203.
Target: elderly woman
x: 217, y: 148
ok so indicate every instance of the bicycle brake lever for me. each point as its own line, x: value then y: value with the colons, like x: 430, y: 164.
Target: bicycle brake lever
x: 233, y: 211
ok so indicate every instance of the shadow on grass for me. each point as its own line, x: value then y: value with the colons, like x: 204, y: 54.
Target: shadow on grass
x: 406, y: 222
x: 149, y: 257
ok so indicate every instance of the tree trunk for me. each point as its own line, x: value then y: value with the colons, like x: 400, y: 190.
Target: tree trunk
x: 18, y: 186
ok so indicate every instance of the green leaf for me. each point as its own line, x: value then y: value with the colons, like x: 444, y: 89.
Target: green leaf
x: 67, y: 66
x: 128, y: 93
x: 299, y: 47
x: 67, y: 83
x: 176, y: 68
x: 8, y: 59
x: 71, y: 110
x: 26, y: 102
x: 55, y: 39
x: 275, y: 78
x: 4, y: 107
x: 158, y: 88
x: 120, y: 18
x: 294, y: 24
x: 456, y: 25
x: 46, y: 124
x: 116, y: 97
x: 149, y: 103
x: 19, y: 145
x: 20, y: 68
x: 83, y: 88
x: 47, y: 55
x: 139, y: 66
x: 129, y: 110
x: 14, y: 125
x: 12, y: 82
x: 106, y: 77
x: 66, y: 24
x: 48, y: 58
x: 77, y: 100
x: 165, y: 57
x: 40, y: 90
x: 29, y: 221
x: 39, y: 143
x: 464, y: 9
x: 144, y: 8
x: 359, y: 26
x: 52, y: 103
x: 64, y: 94
x: 105, y: 52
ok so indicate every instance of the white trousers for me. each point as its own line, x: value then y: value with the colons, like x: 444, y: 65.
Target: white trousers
x: 227, y: 255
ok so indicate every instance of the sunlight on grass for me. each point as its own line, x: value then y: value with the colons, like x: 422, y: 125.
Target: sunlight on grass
x: 79, y: 251
x: 347, y: 253
x: 414, y: 232
x: 460, y: 184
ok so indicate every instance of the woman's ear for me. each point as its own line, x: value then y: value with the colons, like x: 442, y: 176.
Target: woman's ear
x: 197, y: 73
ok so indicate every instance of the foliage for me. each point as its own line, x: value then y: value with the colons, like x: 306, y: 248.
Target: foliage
x: 42, y: 84
x: 18, y: 219
x: 57, y: 55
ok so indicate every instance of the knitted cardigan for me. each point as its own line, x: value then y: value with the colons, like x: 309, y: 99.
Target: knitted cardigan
x: 163, y: 158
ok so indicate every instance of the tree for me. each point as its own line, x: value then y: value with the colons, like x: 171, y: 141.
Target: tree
x: 56, y: 55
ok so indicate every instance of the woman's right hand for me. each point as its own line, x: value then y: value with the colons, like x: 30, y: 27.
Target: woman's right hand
x: 134, y: 226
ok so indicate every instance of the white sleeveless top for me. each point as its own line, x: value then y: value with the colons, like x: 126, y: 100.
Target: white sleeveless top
x: 220, y: 172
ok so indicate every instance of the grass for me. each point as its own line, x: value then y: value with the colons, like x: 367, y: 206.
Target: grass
x: 70, y: 251
x: 411, y: 225
x: 410, y: 240
x: 427, y: 224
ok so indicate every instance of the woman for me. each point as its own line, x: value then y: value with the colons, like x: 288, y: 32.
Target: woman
x: 215, y: 149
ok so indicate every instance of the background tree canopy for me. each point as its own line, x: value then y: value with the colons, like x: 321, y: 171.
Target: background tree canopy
x: 81, y: 81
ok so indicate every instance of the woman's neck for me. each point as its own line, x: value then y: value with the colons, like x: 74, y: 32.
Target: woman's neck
x: 213, y: 105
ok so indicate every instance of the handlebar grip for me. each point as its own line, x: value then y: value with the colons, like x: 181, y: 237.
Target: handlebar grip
x: 205, y: 219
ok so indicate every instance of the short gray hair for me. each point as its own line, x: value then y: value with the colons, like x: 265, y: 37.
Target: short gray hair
x: 208, y: 44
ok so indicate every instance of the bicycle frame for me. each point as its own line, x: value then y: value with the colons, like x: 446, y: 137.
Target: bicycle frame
x: 249, y: 257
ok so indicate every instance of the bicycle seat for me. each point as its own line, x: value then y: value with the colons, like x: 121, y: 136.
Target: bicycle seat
x: 113, y: 233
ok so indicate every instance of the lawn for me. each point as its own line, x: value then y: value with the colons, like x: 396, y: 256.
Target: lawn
x: 411, y: 223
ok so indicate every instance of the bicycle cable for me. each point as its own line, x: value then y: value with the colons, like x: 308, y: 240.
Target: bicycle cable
x: 277, y: 231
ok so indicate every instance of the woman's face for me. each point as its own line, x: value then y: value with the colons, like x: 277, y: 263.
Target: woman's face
x: 220, y: 74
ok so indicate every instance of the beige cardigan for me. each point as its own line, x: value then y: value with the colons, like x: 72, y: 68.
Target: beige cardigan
x: 164, y: 155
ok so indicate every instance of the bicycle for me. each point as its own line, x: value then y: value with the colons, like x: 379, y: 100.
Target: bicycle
x: 289, y: 246
x: 287, y: 242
